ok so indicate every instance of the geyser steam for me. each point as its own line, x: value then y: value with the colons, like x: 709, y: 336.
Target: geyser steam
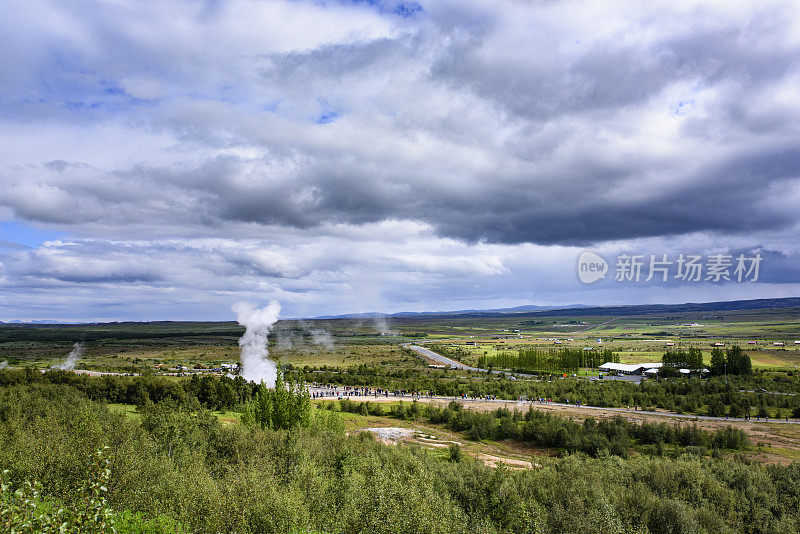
x: 255, y: 363
x: 72, y: 358
x: 382, y: 326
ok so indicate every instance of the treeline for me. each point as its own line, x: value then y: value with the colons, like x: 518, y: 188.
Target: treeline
x: 736, y: 397
x: 534, y: 360
x: 179, y: 469
x: 119, y: 332
x: 733, y: 361
x: 610, y: 436
x: 209, y: 391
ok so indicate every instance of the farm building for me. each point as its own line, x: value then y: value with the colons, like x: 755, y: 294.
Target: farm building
x: 628, y: 369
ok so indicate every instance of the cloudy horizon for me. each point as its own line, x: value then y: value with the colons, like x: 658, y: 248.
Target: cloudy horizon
x: 164, y: 159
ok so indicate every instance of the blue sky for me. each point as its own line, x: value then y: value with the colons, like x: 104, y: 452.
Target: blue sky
x: 14, y: 234
x: 163, y: 159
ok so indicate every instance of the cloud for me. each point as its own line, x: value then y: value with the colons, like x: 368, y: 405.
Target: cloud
x: 318, y: 150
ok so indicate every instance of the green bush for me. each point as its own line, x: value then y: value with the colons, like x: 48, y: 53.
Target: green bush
x: 455, y: 453
x: 23, y: 509
x: 284, y: 407
x: 185, y: 473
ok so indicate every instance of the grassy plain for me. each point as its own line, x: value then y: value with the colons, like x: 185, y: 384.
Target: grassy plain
x: 135, y: 347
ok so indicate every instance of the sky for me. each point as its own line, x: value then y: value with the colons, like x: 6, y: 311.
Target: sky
x: 163, y: 159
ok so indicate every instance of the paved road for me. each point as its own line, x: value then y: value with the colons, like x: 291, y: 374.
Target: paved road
x: 429, y: 354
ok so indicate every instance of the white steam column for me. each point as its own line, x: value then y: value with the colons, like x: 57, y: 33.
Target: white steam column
x: 72, y: 358
x: 255, y: 363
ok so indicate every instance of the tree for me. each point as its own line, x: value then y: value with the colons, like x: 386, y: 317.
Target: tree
x: 716, y: 409
x: 718, y: 361
x: 286, y: 406
x: 456, y: 454
x: 672, y: 358
x: 694, y: 359
x: 738, y: 361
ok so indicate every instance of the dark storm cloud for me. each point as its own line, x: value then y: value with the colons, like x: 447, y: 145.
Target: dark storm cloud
x: 729, y: 196
x: 561, y: 93
x: 609, y: 73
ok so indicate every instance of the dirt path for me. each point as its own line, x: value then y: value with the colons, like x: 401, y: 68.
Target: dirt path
x: 592, y: 327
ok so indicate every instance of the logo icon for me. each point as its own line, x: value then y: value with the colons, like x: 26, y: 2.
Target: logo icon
x: 591, y: 267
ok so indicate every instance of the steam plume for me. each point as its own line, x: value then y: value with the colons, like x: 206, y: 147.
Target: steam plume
x: 255, y: 363
x: 320, y: 336
x: 72, y: 358
x: 285, y: 339
x: 3, y: 364
x: 382, y: 326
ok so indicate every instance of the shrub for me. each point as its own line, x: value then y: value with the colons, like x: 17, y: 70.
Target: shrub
x: 456, y: 454
x: 23, y: 510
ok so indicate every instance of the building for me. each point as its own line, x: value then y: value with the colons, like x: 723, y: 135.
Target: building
x: 628, y: 369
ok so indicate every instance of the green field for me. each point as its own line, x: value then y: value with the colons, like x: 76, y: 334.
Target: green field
x: 158, y: 347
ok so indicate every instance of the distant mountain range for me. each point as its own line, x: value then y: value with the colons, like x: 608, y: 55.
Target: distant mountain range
x: 584, y: 310
x: 573, y: 310
x: 495, y: 311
